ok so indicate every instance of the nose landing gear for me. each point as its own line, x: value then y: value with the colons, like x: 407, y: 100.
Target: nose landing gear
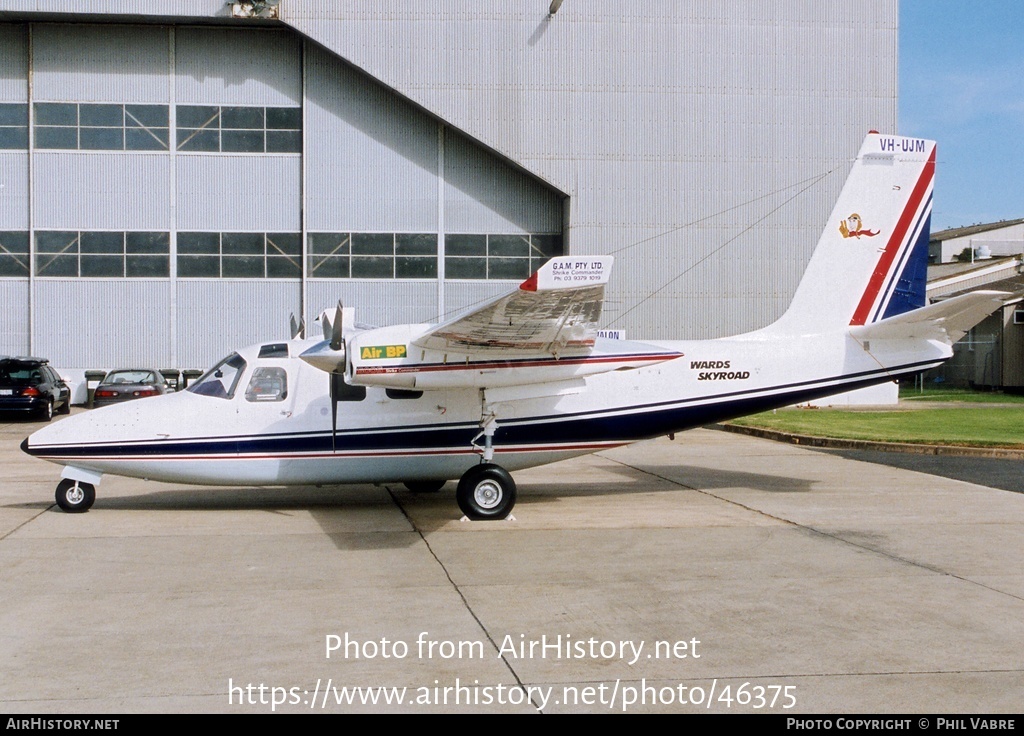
x: 74, y: 496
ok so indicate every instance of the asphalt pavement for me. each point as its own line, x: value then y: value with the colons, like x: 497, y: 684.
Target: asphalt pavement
x: 716, y: 572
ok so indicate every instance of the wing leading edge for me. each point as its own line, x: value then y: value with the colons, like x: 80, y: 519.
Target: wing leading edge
x: 543, y: 332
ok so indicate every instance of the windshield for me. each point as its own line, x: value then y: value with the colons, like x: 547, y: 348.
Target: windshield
x: 221, y: 380
x: 144, y: 377
x: 12, y: 372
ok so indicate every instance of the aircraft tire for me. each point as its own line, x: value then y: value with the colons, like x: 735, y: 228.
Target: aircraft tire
x: 424, y: 486
x: 486, y: 492
x: 75, y: 497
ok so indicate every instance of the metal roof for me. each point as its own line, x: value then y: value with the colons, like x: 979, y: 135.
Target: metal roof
x: 959, y: 232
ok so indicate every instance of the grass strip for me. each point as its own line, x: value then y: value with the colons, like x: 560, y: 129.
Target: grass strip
x: 1001, y: 426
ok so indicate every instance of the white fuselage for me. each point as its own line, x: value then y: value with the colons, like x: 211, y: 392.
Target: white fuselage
x: 395, y: 436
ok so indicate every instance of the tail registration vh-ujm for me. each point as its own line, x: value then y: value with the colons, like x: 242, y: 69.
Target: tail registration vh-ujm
x: 525, y: 380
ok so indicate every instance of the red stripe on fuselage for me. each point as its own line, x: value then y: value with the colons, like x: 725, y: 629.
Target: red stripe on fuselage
x: 860, y: 315
x: 506, y: 449
x: 496, y: 364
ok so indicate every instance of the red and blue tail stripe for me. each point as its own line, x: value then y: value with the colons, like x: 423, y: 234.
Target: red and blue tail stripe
x: 897, y: 284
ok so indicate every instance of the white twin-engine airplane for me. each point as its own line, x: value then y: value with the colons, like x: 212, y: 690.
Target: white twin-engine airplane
x: 525, y: 380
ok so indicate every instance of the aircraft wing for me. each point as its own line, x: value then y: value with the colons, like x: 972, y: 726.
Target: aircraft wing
x: 556, y: 308
x: 947, y: 320
x: 544, y: 332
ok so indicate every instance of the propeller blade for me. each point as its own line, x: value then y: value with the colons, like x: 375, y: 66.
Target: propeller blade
x: 298, y: 328
x: 336, y: 337
x: 325, y: 324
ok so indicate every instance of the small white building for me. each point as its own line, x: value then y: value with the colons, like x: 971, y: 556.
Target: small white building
x: 991, y: 355
x: 1004, y: 238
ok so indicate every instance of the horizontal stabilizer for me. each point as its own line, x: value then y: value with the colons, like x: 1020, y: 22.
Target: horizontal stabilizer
x: 948, y: 320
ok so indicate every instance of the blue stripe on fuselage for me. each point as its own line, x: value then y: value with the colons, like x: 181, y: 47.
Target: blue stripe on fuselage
x: 614, y: 425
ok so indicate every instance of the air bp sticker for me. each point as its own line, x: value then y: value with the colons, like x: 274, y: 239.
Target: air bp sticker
x: 382, y: 351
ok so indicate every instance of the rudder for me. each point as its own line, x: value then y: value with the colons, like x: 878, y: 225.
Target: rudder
x: 871, y: 260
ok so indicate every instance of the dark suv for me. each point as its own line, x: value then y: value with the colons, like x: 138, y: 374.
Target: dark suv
x: 31, y: 386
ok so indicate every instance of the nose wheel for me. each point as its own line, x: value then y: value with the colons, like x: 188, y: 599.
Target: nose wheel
x: 74, y: 496
x: 486, y: 491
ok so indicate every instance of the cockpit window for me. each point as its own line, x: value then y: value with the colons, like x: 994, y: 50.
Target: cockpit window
x: 267, y: 384
x: 221, y: 380
x: 274, y: 350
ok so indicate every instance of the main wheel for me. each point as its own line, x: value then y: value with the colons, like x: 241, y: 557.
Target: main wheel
x: 486, y: 491
x: 74, y: 496
x: 424, y: 486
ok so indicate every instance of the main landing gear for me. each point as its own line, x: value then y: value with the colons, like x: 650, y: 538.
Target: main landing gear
x: 74, y: 496
x: 486, y: 491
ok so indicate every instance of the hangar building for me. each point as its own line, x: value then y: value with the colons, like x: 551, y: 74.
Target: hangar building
x: 176, y: 178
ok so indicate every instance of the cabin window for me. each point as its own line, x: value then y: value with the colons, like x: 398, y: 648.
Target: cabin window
x: 221, y: 380
x: 267, y: 384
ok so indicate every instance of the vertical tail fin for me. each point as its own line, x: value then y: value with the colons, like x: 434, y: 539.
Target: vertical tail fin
x: 871, y: 261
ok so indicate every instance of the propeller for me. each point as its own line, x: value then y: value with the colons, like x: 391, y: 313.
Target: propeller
x: 334, y: 333
x: 336, y: 337
x: 325, y: 324
x: 298, y: 329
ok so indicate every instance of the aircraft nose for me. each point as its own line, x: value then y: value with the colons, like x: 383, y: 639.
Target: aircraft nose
x: 24, y: 446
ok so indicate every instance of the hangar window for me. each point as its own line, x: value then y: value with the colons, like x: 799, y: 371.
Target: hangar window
x: 240, y: 255
x: 101, y: 127
x: 212, y: 129
x: 92, y: 254
x: 372, y: 255
x: 13, y: 126
x: 13, y: 253
x: 498, y: 257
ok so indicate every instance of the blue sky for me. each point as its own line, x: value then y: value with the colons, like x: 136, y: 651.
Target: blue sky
x: 961, y: 83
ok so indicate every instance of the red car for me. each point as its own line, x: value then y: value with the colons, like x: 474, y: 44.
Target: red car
x: 126, y: 384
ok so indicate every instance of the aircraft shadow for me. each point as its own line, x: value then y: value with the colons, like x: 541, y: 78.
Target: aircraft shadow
x: 337, y: 509
x: 300, y: 498
x: 671, y: 477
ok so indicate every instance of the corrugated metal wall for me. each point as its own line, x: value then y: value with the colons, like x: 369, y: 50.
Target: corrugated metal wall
x: 93, y: 323
x: 14, y: 190
x: 217, y: 316
x: 242, y: 193
x: 14, y: 316
x: 702, y: 142
x: 373, y: 164
x: 14, y: 185
x: 222, y: 66
x: 94, y: 190
x: 687, y: 127
x: 99, y: 63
